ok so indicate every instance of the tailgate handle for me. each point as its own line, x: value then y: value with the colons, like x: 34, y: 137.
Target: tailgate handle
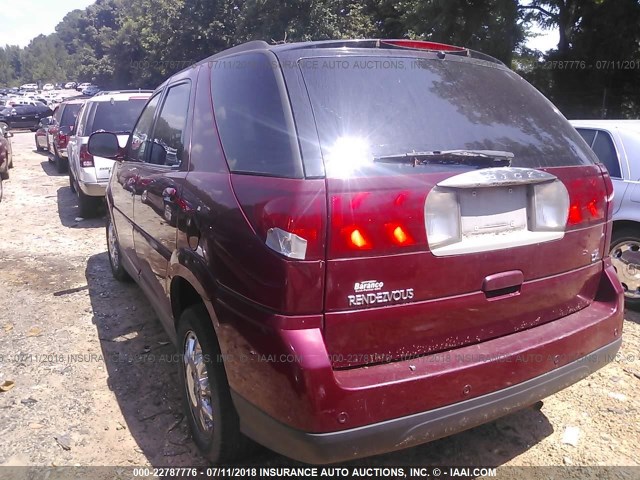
x: 503, y: 284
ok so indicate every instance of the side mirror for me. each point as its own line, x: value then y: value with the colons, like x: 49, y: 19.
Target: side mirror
x: 8, y: 134
x: 105, y: 144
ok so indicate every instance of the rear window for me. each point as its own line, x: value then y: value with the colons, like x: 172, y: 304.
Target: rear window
x: 116, y: 117
x: 253, y: 116
x: 69, y: 114
x: 368, y: 107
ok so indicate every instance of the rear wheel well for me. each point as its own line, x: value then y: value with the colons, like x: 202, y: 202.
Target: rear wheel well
x: 620, y: 225
x: 183, y: 296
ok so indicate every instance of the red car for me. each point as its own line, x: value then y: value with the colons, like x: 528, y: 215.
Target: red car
x: 360, y: 246
x: 60, y: 130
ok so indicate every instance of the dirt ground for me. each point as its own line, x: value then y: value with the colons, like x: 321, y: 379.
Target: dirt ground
x: 77, y: 345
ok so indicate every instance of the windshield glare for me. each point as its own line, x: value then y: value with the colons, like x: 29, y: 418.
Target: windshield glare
x: 368, y: 109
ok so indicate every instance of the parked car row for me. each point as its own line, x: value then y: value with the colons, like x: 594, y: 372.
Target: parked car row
x: 351, y: 261
x: 23, y: 116
x: 89, y: 174
x: 65, y: 133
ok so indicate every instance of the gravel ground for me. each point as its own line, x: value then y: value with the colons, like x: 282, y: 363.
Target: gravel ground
x: 78, y: 345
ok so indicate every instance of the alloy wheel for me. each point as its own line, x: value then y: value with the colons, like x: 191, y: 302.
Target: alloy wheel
x: 197, y: 383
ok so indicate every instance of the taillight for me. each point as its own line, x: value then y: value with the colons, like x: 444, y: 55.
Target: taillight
x: 292, y: 226
x: 86, y: 159
x: 367, y: 223
x: 588, y: 201
x: 62, y: 140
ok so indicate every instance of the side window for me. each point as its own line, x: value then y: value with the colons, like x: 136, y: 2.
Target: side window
x: 142, y: 131
x: 168, y: 135
x: 254, y: 117
x: 587, y: 134
x: 606, y: 152
x: 57, y: 114
x: 80, y: 121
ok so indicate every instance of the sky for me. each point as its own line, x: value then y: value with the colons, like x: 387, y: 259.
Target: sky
x: 22, y: 20
x: 546, y: 39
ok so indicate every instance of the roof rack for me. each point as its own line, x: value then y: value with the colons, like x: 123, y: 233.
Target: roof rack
x: 404, y: 44
x: 113, y: 92
x: 392, y: 44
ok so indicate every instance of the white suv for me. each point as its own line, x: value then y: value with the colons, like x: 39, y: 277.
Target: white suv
x: 89, y: 175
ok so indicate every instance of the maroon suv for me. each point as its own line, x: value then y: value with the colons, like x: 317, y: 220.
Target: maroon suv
x: 359, y: 246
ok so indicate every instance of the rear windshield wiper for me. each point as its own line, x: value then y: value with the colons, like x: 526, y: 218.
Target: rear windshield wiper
x: 480, y: 158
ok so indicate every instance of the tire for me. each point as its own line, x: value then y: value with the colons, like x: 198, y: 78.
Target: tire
x: 61, y: 163
x: 221, y: 442
x: 72, y: 183
x: 4, y: 175
x: 115, y: 256
x: 625, y: 258
x: 88, y: 205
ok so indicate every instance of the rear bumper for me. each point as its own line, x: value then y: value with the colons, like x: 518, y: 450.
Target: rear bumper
x: 404, y: 432
x: 94, y: 189
x: 290, y: 399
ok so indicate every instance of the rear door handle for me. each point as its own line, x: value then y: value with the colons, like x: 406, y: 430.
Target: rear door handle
x: 503, y: 284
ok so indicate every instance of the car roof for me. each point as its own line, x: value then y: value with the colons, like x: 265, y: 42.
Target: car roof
x: 376, y: 43
x: 73, y: 101
x: 632, y: 125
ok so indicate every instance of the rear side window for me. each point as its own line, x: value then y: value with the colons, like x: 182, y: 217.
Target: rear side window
x: 69, y: 114
x: 367, y: 107
x: 253, y: 116
x: 587, y: 134
x: 169, y: 132
x: 142, y: 131
x: 606, y: 152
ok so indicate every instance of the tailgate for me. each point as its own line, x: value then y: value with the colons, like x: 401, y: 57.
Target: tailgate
x: 104, y: 165
x: 393, y: 292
